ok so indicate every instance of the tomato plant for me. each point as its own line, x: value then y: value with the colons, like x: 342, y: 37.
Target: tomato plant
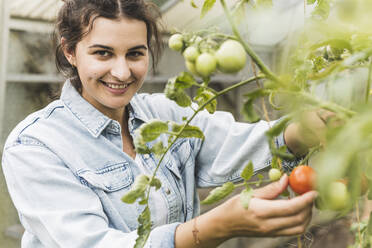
x: 302, y: 179
x: 328, y: 67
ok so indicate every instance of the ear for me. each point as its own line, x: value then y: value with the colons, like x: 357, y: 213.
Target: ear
x: 70, y: 55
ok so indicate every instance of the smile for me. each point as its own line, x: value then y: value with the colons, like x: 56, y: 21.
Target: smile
x: 116, y: 86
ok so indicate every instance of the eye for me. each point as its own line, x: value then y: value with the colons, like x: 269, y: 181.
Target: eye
x: 102, y: 53
x: 135, y: 54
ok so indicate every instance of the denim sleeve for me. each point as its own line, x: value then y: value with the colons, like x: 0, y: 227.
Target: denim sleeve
x: 59, y: 210
x: 228, y: 146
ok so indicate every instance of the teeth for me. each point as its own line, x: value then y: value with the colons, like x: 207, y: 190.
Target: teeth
x: 117, y: 86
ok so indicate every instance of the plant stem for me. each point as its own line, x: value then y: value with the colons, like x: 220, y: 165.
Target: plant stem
x: 252, y: 182
x: 224, y: 91
x: 264, y: 69
x: 308, y: 155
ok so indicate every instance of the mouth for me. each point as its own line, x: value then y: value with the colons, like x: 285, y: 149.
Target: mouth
x: 119, y: 86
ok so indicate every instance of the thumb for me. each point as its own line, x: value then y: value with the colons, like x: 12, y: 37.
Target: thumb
x: 272, y: 190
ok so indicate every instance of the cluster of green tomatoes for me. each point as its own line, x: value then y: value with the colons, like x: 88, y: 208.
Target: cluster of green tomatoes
x: 203, y: 56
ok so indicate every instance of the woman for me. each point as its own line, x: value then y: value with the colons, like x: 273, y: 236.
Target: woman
x: 68, y: 165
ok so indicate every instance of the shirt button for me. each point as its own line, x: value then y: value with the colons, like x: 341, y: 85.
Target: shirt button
x: 167, y: 191
x: 146, y: 156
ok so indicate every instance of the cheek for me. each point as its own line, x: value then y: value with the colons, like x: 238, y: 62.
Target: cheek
x: 140, y: 69
x: 92, y: 69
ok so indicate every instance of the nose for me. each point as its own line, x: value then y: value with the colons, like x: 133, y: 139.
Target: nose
x: 121, y: 70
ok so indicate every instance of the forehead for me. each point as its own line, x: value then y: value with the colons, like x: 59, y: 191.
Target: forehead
x: 123, y: 32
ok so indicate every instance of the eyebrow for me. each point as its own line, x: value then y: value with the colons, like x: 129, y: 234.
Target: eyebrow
x: 111, y: 49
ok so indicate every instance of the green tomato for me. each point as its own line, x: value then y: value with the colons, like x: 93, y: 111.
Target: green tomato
x: 338, y: 196
x: 175, y: 42
x: 274, y: 174
x: 191, y: 68
x: 231, y: 57
x: 206, y: 64
x: 191, y: 53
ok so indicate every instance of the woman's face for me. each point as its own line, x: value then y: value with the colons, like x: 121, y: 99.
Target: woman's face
x: 112, y: 62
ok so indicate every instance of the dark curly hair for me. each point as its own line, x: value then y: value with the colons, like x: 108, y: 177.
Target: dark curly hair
x: 75, y: 20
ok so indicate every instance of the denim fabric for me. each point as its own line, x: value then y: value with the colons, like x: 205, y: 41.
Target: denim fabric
x: 66, y: 170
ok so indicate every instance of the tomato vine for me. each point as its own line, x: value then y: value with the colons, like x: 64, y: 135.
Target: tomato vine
x: 338, y: 51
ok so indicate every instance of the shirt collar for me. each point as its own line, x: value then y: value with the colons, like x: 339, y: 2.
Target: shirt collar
x: 92, y: 119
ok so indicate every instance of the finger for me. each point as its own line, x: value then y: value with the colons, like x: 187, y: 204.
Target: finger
x: 272, y: 190
x: 274, y: 225
x: 292, y: 231
x: 278, y: 208
x: 295, y: 230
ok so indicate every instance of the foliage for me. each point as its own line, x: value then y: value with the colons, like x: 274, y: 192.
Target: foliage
x: 329, y: 68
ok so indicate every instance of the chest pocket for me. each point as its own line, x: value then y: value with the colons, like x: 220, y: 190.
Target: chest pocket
x: 110, y: 178
x: 177, y: 158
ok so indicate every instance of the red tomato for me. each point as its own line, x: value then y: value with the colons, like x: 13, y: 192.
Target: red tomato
x: 302, y: 179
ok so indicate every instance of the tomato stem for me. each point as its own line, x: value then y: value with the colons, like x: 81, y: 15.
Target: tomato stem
x: 264, y: 69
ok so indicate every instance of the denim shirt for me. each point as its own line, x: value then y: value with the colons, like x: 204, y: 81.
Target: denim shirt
x: 66, y: 170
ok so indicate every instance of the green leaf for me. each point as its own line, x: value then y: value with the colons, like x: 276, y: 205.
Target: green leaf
x: 158, y: 149
x: 249, y: 113
x: 281, y: 152
x: 310, y: 1
x: 247, y: 172
x: 138, y: 189
x: 143, y: 201
x: 192, y: 132
x: 155, y: 182
x: 184, y: 80
x: 219, y: 193
x: 193, y: 4
x: 177, y: 94
x: 321, y: 11
x: 245, y: 197
x: 207, y: 6
x: 144, y: 228
x: 152, y: 130
x: 278, y: 128
x: 203, y: 96
x: 140, y: 144
x: 188, y: 131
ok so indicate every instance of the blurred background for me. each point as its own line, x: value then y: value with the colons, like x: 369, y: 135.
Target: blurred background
x: 28, y: 77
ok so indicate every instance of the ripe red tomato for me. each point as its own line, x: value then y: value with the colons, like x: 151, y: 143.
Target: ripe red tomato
x: 302, y: 179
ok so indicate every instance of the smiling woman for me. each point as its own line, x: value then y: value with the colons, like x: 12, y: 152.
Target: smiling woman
x: 111, y: 68
x: 68, y: 165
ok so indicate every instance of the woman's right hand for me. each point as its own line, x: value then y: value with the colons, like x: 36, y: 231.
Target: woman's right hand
x: 265, y: 216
